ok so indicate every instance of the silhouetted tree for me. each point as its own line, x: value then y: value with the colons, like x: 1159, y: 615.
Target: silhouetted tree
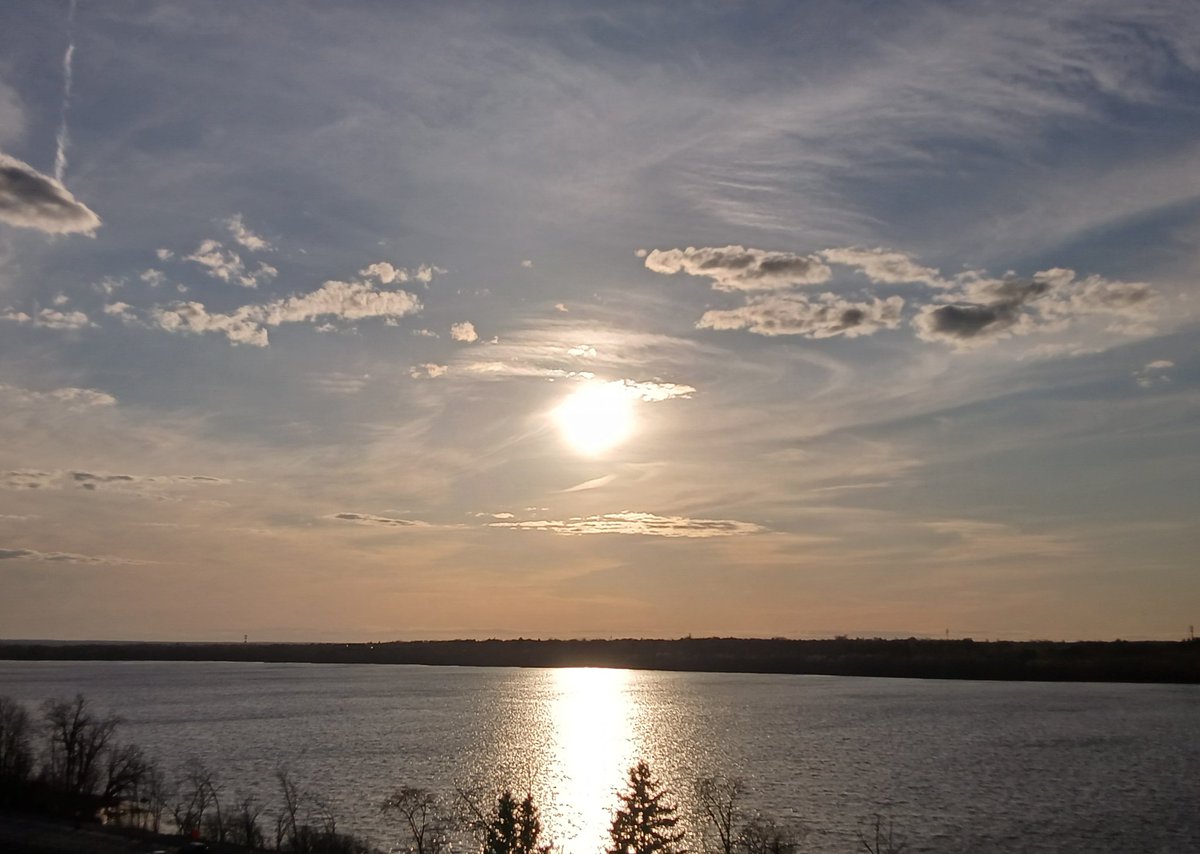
x: 76, y: 738
x: 16, y: 754
x: 718, y: 799
x: 242, y: 826
x: 645, y: 822
x: 514, y: 828
x: 125, y: 768
x: 199, y: 792
x: 761, y: 835
x: 420, y: 814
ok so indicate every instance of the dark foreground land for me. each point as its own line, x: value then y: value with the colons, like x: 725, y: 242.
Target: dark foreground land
x: 1083, y: 661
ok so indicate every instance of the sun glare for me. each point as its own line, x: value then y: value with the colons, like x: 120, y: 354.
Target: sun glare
x: 596, y: 417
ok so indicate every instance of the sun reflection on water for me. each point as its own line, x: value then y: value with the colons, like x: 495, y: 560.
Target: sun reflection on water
x: 594, y: 720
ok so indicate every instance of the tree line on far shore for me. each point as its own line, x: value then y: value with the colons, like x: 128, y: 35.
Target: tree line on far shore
x: 68, y: 763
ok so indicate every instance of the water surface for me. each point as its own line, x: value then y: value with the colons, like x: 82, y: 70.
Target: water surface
x: 957, y: 766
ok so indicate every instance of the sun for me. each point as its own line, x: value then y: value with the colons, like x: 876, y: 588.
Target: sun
x: 596, y: 417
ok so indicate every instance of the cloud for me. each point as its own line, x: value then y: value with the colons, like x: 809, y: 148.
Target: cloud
x: 379, y: 521
x: 427, y: 371
x: 227, y: 265
x: 652, y: 391
x: 63, y: 557
x: 464, y: 331
x: 248, y: 324
x: 640, y: 524
x: 821, y: 317
x: 50, y: 318
x: 884, y: 266
x: 337, y: 382
x: 28, y: 479
x: 594, y: 483
x: 736, y: 268
x: 527, y: 264
x: 92, y: 481
x: 246, y: 237
x: 986, y: 309
x: 1153, y: 373
x: 152, y: 277
x: 558, y: 306
x: 76, y: 398
x: 29, y: 199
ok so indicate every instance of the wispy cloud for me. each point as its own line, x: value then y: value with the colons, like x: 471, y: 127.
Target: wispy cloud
x: 377, y: 521
x: 636, y: 523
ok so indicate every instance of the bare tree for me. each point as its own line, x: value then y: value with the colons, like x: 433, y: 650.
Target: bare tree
x: 125, y: 766
x: 16, y: 755
x: 286, y: 821
x: 422, y: 818
x: 199, y: 792
x: 76, y: 739
x: 718, y: 799
x: 760, y: 835
x: 243, y: 826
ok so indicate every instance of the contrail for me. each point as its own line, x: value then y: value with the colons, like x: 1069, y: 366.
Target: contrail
x: 60, y: 154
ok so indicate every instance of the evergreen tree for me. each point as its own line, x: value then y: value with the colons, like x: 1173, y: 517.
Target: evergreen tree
x: 645, y: 823
x: 514, y: 828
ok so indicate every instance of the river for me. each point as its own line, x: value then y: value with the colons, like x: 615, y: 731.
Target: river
x: 955, y: 766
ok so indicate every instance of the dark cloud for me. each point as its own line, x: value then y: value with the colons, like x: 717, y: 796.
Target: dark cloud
x: 822, y: 317
x: 985, y: 309
x: 61, y: 557
x: 383, y: 521
x: 29, y: 199
x: 736, y: 268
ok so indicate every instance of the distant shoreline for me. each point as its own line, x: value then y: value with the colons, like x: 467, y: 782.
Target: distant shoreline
x: 1175, y: 662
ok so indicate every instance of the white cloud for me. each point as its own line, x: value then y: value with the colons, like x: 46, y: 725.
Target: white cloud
x: 29, y: 199
x: 527, y: 264
x: 1153, y: 373
x: 736, y: 268
x: 819, y: 317
x: 425, y: 333
x: 247, y: 324
x: 639, y: 524
x: 50, y: 318
x: 164, y: 254
x: 153, y: 277
x: 78, y: 398
x: 228, y: 266
x: 246, y: 237
x: 427, y: 371
x: 386, y: 273
x: 655, y: 392
x: 464, y: 331
x: 884, y: 266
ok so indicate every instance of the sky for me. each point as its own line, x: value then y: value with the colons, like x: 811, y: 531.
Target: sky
x: 370, y: 321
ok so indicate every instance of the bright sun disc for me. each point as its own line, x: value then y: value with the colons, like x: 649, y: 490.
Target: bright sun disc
x: 596, y: 417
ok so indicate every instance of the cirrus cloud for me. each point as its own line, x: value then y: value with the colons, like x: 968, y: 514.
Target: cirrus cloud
x: 637, y: 523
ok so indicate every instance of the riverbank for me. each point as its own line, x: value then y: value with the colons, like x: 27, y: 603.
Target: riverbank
x: 1081, y: 661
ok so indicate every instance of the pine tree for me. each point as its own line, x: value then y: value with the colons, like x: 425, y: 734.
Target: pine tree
x: 514, y: 828
x: 645, y: 823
